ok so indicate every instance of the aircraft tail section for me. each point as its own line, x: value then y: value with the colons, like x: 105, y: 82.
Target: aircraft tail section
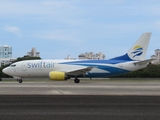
x: 139, y: 49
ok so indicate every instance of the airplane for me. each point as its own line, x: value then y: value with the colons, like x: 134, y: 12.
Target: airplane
x: 59, y: 70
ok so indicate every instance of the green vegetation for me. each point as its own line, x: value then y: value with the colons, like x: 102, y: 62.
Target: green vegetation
x: 2, y: 75
x: 27, y: 58
x: 151, y: 71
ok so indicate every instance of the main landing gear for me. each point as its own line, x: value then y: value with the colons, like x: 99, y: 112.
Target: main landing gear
x: 76, y: 80
x: 19, y: 80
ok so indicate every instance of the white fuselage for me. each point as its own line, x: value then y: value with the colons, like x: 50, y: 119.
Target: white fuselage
x: 42, y: 68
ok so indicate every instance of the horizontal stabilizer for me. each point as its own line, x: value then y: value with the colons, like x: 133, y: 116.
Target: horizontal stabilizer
x: 144, y: 62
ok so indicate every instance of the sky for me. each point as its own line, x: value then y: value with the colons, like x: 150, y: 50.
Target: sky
x: 58, y: 28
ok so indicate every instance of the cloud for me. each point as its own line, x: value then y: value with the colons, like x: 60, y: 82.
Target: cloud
x: 13, y: 29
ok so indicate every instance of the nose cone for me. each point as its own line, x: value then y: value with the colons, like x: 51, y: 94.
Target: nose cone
x: 4, y: 70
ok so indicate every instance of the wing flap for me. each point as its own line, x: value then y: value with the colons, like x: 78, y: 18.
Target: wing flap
x: 78, y: 72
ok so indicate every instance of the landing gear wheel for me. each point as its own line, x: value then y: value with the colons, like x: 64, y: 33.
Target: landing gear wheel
x: 76, y: 80
x: 20, y: 81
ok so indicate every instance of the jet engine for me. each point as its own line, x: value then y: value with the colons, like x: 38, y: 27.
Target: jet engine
x: 55, y: 75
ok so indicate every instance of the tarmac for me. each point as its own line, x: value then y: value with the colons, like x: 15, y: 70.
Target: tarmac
x: 79, y: 107
x: 87, y: 87
x: 88, y: 100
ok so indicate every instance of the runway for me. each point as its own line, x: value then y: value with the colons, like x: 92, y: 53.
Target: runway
x: 84, y: 88
x: 81, y: 107
x: 89, y: 100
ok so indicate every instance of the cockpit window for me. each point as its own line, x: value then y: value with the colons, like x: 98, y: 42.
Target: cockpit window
x: 13, y: 65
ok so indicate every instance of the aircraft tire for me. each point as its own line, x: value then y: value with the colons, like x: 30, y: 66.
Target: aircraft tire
x: 20, y: 81
x: 76, y: 80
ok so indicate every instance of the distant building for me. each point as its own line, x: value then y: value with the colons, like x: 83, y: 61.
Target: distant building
x: 5, y: 51
x: 91, y: 55
x: 6, y: 61
x: 33, y: 53
x: 69, y: 58
x: 6, y: 55
x: 156, y: 57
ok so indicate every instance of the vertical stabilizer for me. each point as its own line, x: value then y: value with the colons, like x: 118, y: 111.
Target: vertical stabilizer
x: 138, y: 51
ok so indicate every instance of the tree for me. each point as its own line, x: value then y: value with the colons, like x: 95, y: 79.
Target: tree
x: 151, y: 71
x: 27, y: 58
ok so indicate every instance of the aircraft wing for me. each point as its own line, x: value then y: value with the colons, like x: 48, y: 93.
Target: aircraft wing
x: 79, y: 71
x: 144, y: 62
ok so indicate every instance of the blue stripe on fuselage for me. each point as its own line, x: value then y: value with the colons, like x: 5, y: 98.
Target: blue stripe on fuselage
x: 110, y: 71
x: 95, y: 61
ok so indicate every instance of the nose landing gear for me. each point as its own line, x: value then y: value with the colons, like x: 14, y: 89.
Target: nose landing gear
x: 19, y: 80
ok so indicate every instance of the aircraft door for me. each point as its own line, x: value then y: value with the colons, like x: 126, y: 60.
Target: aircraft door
x: 24, y: 68
x: 14, y: 70
x: 121, y: 67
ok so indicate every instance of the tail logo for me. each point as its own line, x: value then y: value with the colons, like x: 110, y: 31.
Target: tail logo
x: 137, y: 51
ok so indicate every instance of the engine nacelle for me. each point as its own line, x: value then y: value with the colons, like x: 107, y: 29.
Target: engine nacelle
x: 54, y: 75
